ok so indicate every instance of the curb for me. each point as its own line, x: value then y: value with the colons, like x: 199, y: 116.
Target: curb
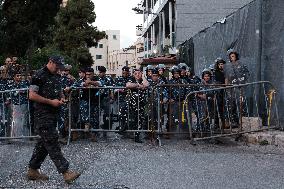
x: 266, y: 138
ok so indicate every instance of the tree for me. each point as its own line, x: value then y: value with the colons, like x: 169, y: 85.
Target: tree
x: 75, y: 33
x: 25, y: 25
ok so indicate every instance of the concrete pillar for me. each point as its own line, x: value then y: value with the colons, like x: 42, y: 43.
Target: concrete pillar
x: 171, y: 22
x: 164, y: 29
x: 160, y: 34
x: 147, y: 45
x: 151, y: 39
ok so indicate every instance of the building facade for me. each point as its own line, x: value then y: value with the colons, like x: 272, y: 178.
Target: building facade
x: 104, y: 47
x: 168, y: 23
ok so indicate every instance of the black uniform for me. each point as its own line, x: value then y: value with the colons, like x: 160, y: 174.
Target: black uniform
x: 48, y: 86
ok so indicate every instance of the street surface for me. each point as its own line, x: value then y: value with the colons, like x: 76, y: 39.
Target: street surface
x: 121, y: 163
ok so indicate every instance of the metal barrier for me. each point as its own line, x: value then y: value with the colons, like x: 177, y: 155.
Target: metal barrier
x: 232, y: 110
x: 196, y: 111
x: 15, y: 114
x: 108, y: 109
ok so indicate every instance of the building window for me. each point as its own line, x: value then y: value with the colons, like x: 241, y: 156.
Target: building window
x: 114, y: 37
x: 98, y: 56
x: 101, y: 46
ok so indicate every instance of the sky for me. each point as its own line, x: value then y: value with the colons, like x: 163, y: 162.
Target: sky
x: 118, y: 15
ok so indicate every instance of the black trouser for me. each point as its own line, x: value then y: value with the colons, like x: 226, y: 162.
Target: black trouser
x: 48, y: 145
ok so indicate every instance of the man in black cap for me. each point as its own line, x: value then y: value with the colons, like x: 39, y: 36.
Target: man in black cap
x: 46, y: 92
x: 106, y: 97
x: 120, y: 95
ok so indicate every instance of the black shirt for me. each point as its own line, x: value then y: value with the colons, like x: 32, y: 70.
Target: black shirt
x: 47, y: 85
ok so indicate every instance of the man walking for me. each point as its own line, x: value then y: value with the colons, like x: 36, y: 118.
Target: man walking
x: 46, y: 92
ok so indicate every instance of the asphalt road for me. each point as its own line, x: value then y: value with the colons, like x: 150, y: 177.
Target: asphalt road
x: 120, y: 163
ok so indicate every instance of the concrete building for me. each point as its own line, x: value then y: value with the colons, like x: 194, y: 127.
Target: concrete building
x: 131, y: 57
x: 168, y: 23
x: 106, y: 46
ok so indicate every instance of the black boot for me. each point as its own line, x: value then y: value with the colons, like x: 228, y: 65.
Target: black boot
x: 137, y: 138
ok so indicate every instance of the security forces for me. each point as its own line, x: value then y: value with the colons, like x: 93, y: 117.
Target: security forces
x: 106, y: 97
x: 89, y: 107
x: 176, y: 95
x: 149, y: 70
x: 137, y: 101
x: 67, y: 81
x: 20, y: 109
x: 235, y: 73
x: 120, y: 95
x: 3, y: 87
x: 157, y: 97
x: 46, y: 92
x: 161, y: 69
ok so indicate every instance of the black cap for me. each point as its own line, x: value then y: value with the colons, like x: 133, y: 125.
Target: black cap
x: 155, y: 71
x: 138, y: 69
x: 125, y: 68
x: 59, y: 60
x: 89, y: 69
x: 102, y: 69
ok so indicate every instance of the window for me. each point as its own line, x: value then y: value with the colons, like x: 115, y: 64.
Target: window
x: 101, y: 46
x: 114, y: 37
x: 98, y: 56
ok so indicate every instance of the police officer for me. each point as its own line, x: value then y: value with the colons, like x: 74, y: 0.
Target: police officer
x: 149, y: 70
x: 120, y: 95
x: 157, y: 97
x: 106, y: 97
x: 235, y: 73
x: 67, y: 80
x: 137, y: 101
x: 90, y: 102
x: 219, y: 78
x: 19, y: 106
x: 161, y: 69
x: 3, y: 98
x: 176, y: 95
x: 46, y: 92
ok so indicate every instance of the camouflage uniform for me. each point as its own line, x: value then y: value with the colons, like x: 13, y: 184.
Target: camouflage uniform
x: 157, y: 95
x: 121, y: 95
x: 47, y: 85
x: 63, y: 113
x: 176, y: 95
x: 106, y: 100
x: 136, y: 101
x: 89, y: 105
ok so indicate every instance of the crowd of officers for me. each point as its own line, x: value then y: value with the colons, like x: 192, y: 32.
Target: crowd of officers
x: 140, y: 99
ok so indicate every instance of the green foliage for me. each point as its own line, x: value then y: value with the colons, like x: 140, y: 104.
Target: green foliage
x: 40, y: 57
x: 75, y: 32
x: 25, y: 24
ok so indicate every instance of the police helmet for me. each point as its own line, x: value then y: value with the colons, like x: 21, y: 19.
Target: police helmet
x: 175, y: 69
x: 183, y: 66
x: 206, y: 71
x: 220, y: 60
x: 161, y: 66
x: 149, y: 67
